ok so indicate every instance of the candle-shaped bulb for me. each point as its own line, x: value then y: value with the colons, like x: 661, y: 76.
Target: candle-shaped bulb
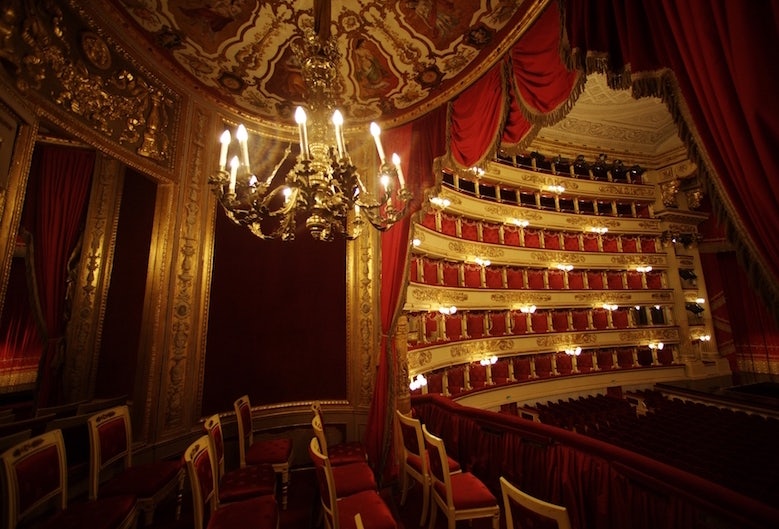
x: 338, y: 122
x: 376, y: 132
x: 224, y: 140
x: 300, y: 119
x: 243, y: 140
x: 234, y: 163
x: 396, y: 163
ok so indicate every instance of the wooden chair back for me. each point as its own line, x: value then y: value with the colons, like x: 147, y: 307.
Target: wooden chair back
x: 110, y: 443
x: 201, y: 469
x: 534, y: 511
x: 213, y: 427
x: 324, y: 475
x: 243, y: 415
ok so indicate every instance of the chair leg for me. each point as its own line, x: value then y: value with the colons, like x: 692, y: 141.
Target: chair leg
x: 425, y: 504
x: 433, y: 512
x: 496, y: 520
x: 284, y: 471
x: 403, y: 487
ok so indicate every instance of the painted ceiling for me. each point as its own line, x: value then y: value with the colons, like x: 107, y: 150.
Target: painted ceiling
x: 398, y: 58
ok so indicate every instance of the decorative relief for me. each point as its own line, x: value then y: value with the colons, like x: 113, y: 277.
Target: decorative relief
x: 543, y: 180
x: 482, y: 250
x: 662, y: 296
x: 366, y: 321
x: 509, y: 211
x: 601, y: 297
x: 520, y: 298
x: 447, y: 297
x: 628, y: 190
x: 694, y: 198
x: 473, y: 348
x: 558, y: 257
x: 640, y: 259
x: 419, y: 359
x: 581, y: 222
x: 183, y: 291
x: 649, y: 335
x: 560, y: 340
x: 649, y: 224
x: 669, y: 191
x: 45, y: 52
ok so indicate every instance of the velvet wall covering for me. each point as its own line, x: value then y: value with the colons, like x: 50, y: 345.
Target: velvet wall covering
x: 124, y: 307
x: 276, y: 328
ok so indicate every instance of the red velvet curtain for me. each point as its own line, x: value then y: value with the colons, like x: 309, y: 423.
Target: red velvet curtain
x: 56, y: 200
x: 723, y: 56
x: 418, y: 144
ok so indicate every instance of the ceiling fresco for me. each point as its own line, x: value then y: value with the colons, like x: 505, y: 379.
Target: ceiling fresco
x: 398, y: 58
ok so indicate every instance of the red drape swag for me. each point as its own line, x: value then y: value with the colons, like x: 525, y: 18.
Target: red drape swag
x: 54, y: 210
x: 530, y: 87
x: 418, y: 144
x: 724, y: 58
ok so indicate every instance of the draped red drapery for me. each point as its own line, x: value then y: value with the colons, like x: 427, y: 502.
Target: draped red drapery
x: 56, y: 200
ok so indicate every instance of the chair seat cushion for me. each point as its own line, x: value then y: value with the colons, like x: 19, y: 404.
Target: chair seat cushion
x: 247, y: 482
x: 353, y: 478
x: 372, y: 508
x: 468, y: 492
x: 143, y: 481
x: 256, y: 513
x: 415, y: 462
x: 104, y: 513
x: 345, y: 453
x: 269, y: 451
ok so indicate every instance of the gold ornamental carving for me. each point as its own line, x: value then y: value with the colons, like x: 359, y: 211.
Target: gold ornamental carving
x: 627, y: 190
x: 562, y: 340
x: 649, y: 335
x: 444, y: 297
x: 475, y: 348
x: 662, y: 296
x: 366, y: 321
x: 542, y: 180
x: 45, y: 52
x: 558, y: 257
x: 419, y: 359
x: 510, y: 212
x: 584, y: 222
x: 637, y: 260
x: 519, y: 298
x: 482, y: 250
x: 600, y: 297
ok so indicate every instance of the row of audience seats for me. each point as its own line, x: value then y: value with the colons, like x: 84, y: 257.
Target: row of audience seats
x: 36, y: 472
x: 458, y: 493
x: 729, y: 447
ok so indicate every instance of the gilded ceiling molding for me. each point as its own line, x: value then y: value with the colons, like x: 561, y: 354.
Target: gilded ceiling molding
x: 61, y: 59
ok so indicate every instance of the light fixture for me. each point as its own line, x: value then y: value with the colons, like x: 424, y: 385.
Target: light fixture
x: 656, y: 346
x: 564, y: 267
x: 556, y: 189
x: 643, y: 269
x: 522, y: 223
x: 573, y: 351
x: 610, y: 306
x: 487, y: 361
x: 447, y: 310
x: 323, y: 190
x: 599, y: 229
x: 418, y: 382
x: 527, y: 309
x: 440, y: 203
x: 482, y: 262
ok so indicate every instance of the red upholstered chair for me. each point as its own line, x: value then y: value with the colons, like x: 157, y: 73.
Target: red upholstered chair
x: 415, y: 462
x: 460, y: 496
x: 111, y: 470
x: 260, y: 512
x: 340, y: 453
x: 35, y: 478
x: 348, y: 478
x: 275, y: 452
x: 240, y: 483
x: 524, y: 511
x: 340, y: 513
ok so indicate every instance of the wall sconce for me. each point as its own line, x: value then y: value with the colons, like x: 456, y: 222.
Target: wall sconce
x: 418, y: 382
x: 447, y: 310
x: 643, y: 269
x: 482, y: 262
x: 564, y: 267
x: 415, y: 242
x: 527, y: 309
x: 600, y: 230
x: 656, y: 346
x: 556, y: 189
x: 701, y: 338
x: 488, y: 360
x: 522, y: 223
x: 573, y: 351
x: 609, y: 306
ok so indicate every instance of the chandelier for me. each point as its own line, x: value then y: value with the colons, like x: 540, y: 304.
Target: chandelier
x: 324, y: 190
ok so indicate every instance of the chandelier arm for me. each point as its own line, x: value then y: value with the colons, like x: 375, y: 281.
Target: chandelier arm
x: 273, y: 173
